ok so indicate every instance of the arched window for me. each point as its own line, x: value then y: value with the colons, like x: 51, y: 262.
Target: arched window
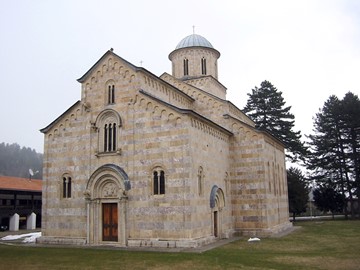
x: 186, y: 67
x: 159, y: 181
x: 111, y: 94
x: 110, y: 137
x: 108, y: 125
x: 203, y: 66
x: 66, y: 186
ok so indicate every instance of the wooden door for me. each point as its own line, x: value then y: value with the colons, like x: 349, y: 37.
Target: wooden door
x: 216, y: 224
x: 110, y: 222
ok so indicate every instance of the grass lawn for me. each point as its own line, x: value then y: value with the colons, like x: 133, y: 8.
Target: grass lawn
x: 317, y: 245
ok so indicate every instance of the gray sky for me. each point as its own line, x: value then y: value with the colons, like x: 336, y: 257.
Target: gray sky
x: 308, y: 49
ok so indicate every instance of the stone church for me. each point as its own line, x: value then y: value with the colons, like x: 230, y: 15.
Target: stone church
x: 165, y: 161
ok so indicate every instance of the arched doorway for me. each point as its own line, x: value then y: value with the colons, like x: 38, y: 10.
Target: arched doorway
x: 106, y: 196
x: 217, y: 203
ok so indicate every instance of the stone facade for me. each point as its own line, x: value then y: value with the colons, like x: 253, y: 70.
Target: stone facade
x: 163, y: 161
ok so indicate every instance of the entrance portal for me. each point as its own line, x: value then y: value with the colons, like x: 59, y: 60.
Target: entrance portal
x: 110, y: 222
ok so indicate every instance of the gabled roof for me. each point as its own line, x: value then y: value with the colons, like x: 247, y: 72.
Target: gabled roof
x: 259, y: 130
x: 109, y: 52
x: 135, y: 68
x: 186, y: 79
x: 20, y: 184
x: 187, y: 111
x: 48, y: 127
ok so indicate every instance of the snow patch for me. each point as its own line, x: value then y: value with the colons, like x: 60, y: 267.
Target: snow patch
x: 28, y: 237
x: 253, y: 239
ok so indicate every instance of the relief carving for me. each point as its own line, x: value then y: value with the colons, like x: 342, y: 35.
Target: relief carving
x: 109, y: 190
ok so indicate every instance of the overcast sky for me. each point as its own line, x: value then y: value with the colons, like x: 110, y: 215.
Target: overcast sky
x: 308, y: 49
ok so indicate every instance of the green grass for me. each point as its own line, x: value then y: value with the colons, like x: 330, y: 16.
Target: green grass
x: 317, y: 245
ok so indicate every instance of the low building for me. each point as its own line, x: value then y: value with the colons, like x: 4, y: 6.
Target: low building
x: 20, y: 203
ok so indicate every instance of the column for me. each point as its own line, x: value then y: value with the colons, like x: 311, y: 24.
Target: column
x: 14, y: 222
x: 31, y: 221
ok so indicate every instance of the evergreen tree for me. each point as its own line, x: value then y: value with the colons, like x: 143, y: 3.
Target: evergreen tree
x: 266, y: 107
x: 297, y: 191
x: 328, y: 198
x: 16, y: 161
x: 335, y: 146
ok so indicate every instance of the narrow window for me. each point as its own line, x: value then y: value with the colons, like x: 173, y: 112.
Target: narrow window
x: 159, y: 182
x: 111, y: 94
x: 156, y: 183
x: 162, y: 182
x: 105, y: 138
x: 69, y: 187
x: 200, y: 181
x: 203, y: 66
x: 109, y: 146
x: 66, y: 187
x: 114, y: 137
x: 186, y: 67
x: 110, y: 137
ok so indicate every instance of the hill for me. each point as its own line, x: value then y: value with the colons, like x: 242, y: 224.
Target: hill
x: 16, y: 161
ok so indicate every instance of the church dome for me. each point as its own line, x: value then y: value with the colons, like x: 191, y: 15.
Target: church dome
x: 194, y: 41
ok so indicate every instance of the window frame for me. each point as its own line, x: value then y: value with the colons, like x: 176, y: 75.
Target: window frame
x: 158, y: 181
x: 203, y: 66
x: 66, y: 186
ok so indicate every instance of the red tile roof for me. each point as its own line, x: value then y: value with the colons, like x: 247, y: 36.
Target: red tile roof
x: 16, y: 183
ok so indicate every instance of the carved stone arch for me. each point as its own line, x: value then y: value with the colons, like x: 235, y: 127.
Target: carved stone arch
x: 107, y: 188
x: 65, y: 184
x: 105, y: 176
x: 217, y: 198
x: 116, y: 65
x: 159, y: 168
x: 142, y: 102
x: 217, y: 203
x: 108, y: 115
x: 121, y: 69
x: 107, y: 125
x: 149, y: 105
x: 67, y: 123
x: 163, y: 114
x: 98, y: 75
x: 108, y: 82
x: 234, y: 127
x: 171, y: 117
x: 132, y: 77
x: 156, y: 109
x: 110, y: 60
x: 93, y: 80
x: 104, y: 69
x: 241, y: 130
